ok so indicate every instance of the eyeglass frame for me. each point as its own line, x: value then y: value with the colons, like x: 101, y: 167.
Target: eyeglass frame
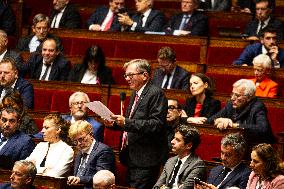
x: 130, y: 75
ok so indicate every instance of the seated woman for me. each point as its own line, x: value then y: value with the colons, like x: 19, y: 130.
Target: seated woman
x: 201, y: 106
x: 268, y: 170
x: 265, y: 87
x: 53, y: 157
x: 14, y: 99
x: 93, y: 69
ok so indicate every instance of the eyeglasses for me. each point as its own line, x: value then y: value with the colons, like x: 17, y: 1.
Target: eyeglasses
x: 78, y: 103
x: 236, y: 95
x: 172, y: 107
x: 130, y: 75
x: 80, y: 140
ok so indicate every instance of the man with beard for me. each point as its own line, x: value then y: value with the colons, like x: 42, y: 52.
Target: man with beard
x: 9, y: 81
x: 79, y: 111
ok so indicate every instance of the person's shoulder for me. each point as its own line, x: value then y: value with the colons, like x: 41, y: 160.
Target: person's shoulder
x: 23, y: 136
x: 157, y: 12
x: 5, y: 186
x: 199, y: 14
x: 103, y: 146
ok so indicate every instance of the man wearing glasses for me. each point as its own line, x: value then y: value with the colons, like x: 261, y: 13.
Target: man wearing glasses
x: 92, y: 157
x: 144, y: 141
x: 244, y: 110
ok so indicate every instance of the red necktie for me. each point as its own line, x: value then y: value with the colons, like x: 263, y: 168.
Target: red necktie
x: 107, y: 27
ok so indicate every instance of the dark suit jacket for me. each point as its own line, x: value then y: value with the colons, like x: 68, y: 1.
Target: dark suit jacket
x: 252, y: 26
x: 19, y: 146
x: 70, y: 18
x: 238, y: 177
x: 26, y: 90
x: 8, y: 186
x: 19, y: 61
x: 147, y: 139
x: 23, y: 43
x: 210, y: 107
x: 180, y: 79
x: 198, y: 24
x: 7, y: 18
x: 59, y: 70
x: 101, y: 158
x: 251, y: 51
x: 219, y: 5
x: 192, y: 167
x: 78, y: 71
x: 99, y: 16
x: 154, y: 22
x: 252, y: 117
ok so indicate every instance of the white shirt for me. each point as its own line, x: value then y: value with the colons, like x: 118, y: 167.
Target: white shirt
x: 44, y: 67
x: 88, y: 152
x: 58, y: 161
x: 3, y: 144
x: 4, y: 91
x: 107, y: 19
x: 57, y: 18
x: 2, y: 55
x: 175, y: 185
x: 171, y: 79
x: 34, y: 43
x: 232, y: 168
x: 89, y: 77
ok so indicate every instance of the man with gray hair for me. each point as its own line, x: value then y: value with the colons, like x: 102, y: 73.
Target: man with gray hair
x: 23, y: 175
x: 104, y: 179
x: 244, y: 110
x: 79, y: 111
x: 232, y: 172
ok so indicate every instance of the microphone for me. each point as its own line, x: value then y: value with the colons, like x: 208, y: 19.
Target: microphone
x: 122, y: 99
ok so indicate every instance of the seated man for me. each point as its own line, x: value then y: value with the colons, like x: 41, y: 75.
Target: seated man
x: 23, y: 176
x: 14, y: 144
x: 64, y: 15
x: 232, y: 172
x: 265, y: 87
x: 50, y: 64
x: 9, y: 80
x: 244, y: 110
x: 146, y: 18
x: 105, y: 18
x: 169, y: 75
x: 7, y: 18
x: 215, y: 5
x: 92, y: 157
x: 40, y: 28
x: 79, y: 111
x: 268, y: 45
x: 263, y: 19
x: 104, y: 179
x: 180, y: 170
x: 190, y: 21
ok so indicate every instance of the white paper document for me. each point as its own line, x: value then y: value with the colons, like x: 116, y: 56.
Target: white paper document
x: 100, y: 109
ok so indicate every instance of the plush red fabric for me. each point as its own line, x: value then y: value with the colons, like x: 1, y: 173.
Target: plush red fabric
x: 60, y: 101
x: 223, y: 55
x: 209, y: 142
x: 42, y: 99
x: 112, y: 138
x: 117, y: 74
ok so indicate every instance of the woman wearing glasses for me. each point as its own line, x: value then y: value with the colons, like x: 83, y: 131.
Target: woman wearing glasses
x: 53, y: 157
x: 201, y: 105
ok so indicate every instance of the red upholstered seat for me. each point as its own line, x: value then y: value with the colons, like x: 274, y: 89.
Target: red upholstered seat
x: 39, y: 123
x: 120, y: 174
x: 117, y: 74
x: 42, y: 99
x: 112, y: 138
x: 223, y: 55
x: 209, y: 147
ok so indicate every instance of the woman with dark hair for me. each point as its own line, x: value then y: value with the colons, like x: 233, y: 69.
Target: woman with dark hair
x: 14, y: 99
x: 267, y: 168
x: 201, y: 105
x: 93, y: 69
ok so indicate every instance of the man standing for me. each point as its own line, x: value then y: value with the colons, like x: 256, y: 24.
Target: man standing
x: 92, y: 157
x: 244, y: 110
x: 233, y: 172
x: 169, y: 75
x: 180, y: 170
x: 146, y: 18
x: 268, y: 45
x: 105, y: 18
x: 9, y: 80
x: 144, y: 141
x: 14, y: 144
x: 190, y: 21
x: 23, y: 175
x: 64, y: 15
x: 50, y: 64
x: 79, y: 111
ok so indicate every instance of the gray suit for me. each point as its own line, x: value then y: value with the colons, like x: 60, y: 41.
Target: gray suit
x: 193, y: 167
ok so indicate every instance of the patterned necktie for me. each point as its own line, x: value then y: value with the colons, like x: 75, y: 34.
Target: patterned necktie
x: 45, y: 72
x: 184, y: 22
x: 108, y: 24
x: 82, y: 167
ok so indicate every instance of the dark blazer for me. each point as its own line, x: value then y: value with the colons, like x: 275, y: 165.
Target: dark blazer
x: 101, y: 158
x: 7, y: 18
x: 198, y: 24
x: 238, y: 177
x: 147, y: 139
x: 210, y: 107
x: 192, y: 167
x: 19, y: 61
x: 154, y: 22
x: 253, y: 50
x: 180, y: 78
x: 8, y: 186
x: 59, y: 70
x: 19, y: 146
x: 99, y: 16
x: 219, y: 5
x: 23, y: 43
x: 251, y: 27
x: 70, y: 18
x: 78, y: 71
x: 253, y: 117
x: 26, y: 90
